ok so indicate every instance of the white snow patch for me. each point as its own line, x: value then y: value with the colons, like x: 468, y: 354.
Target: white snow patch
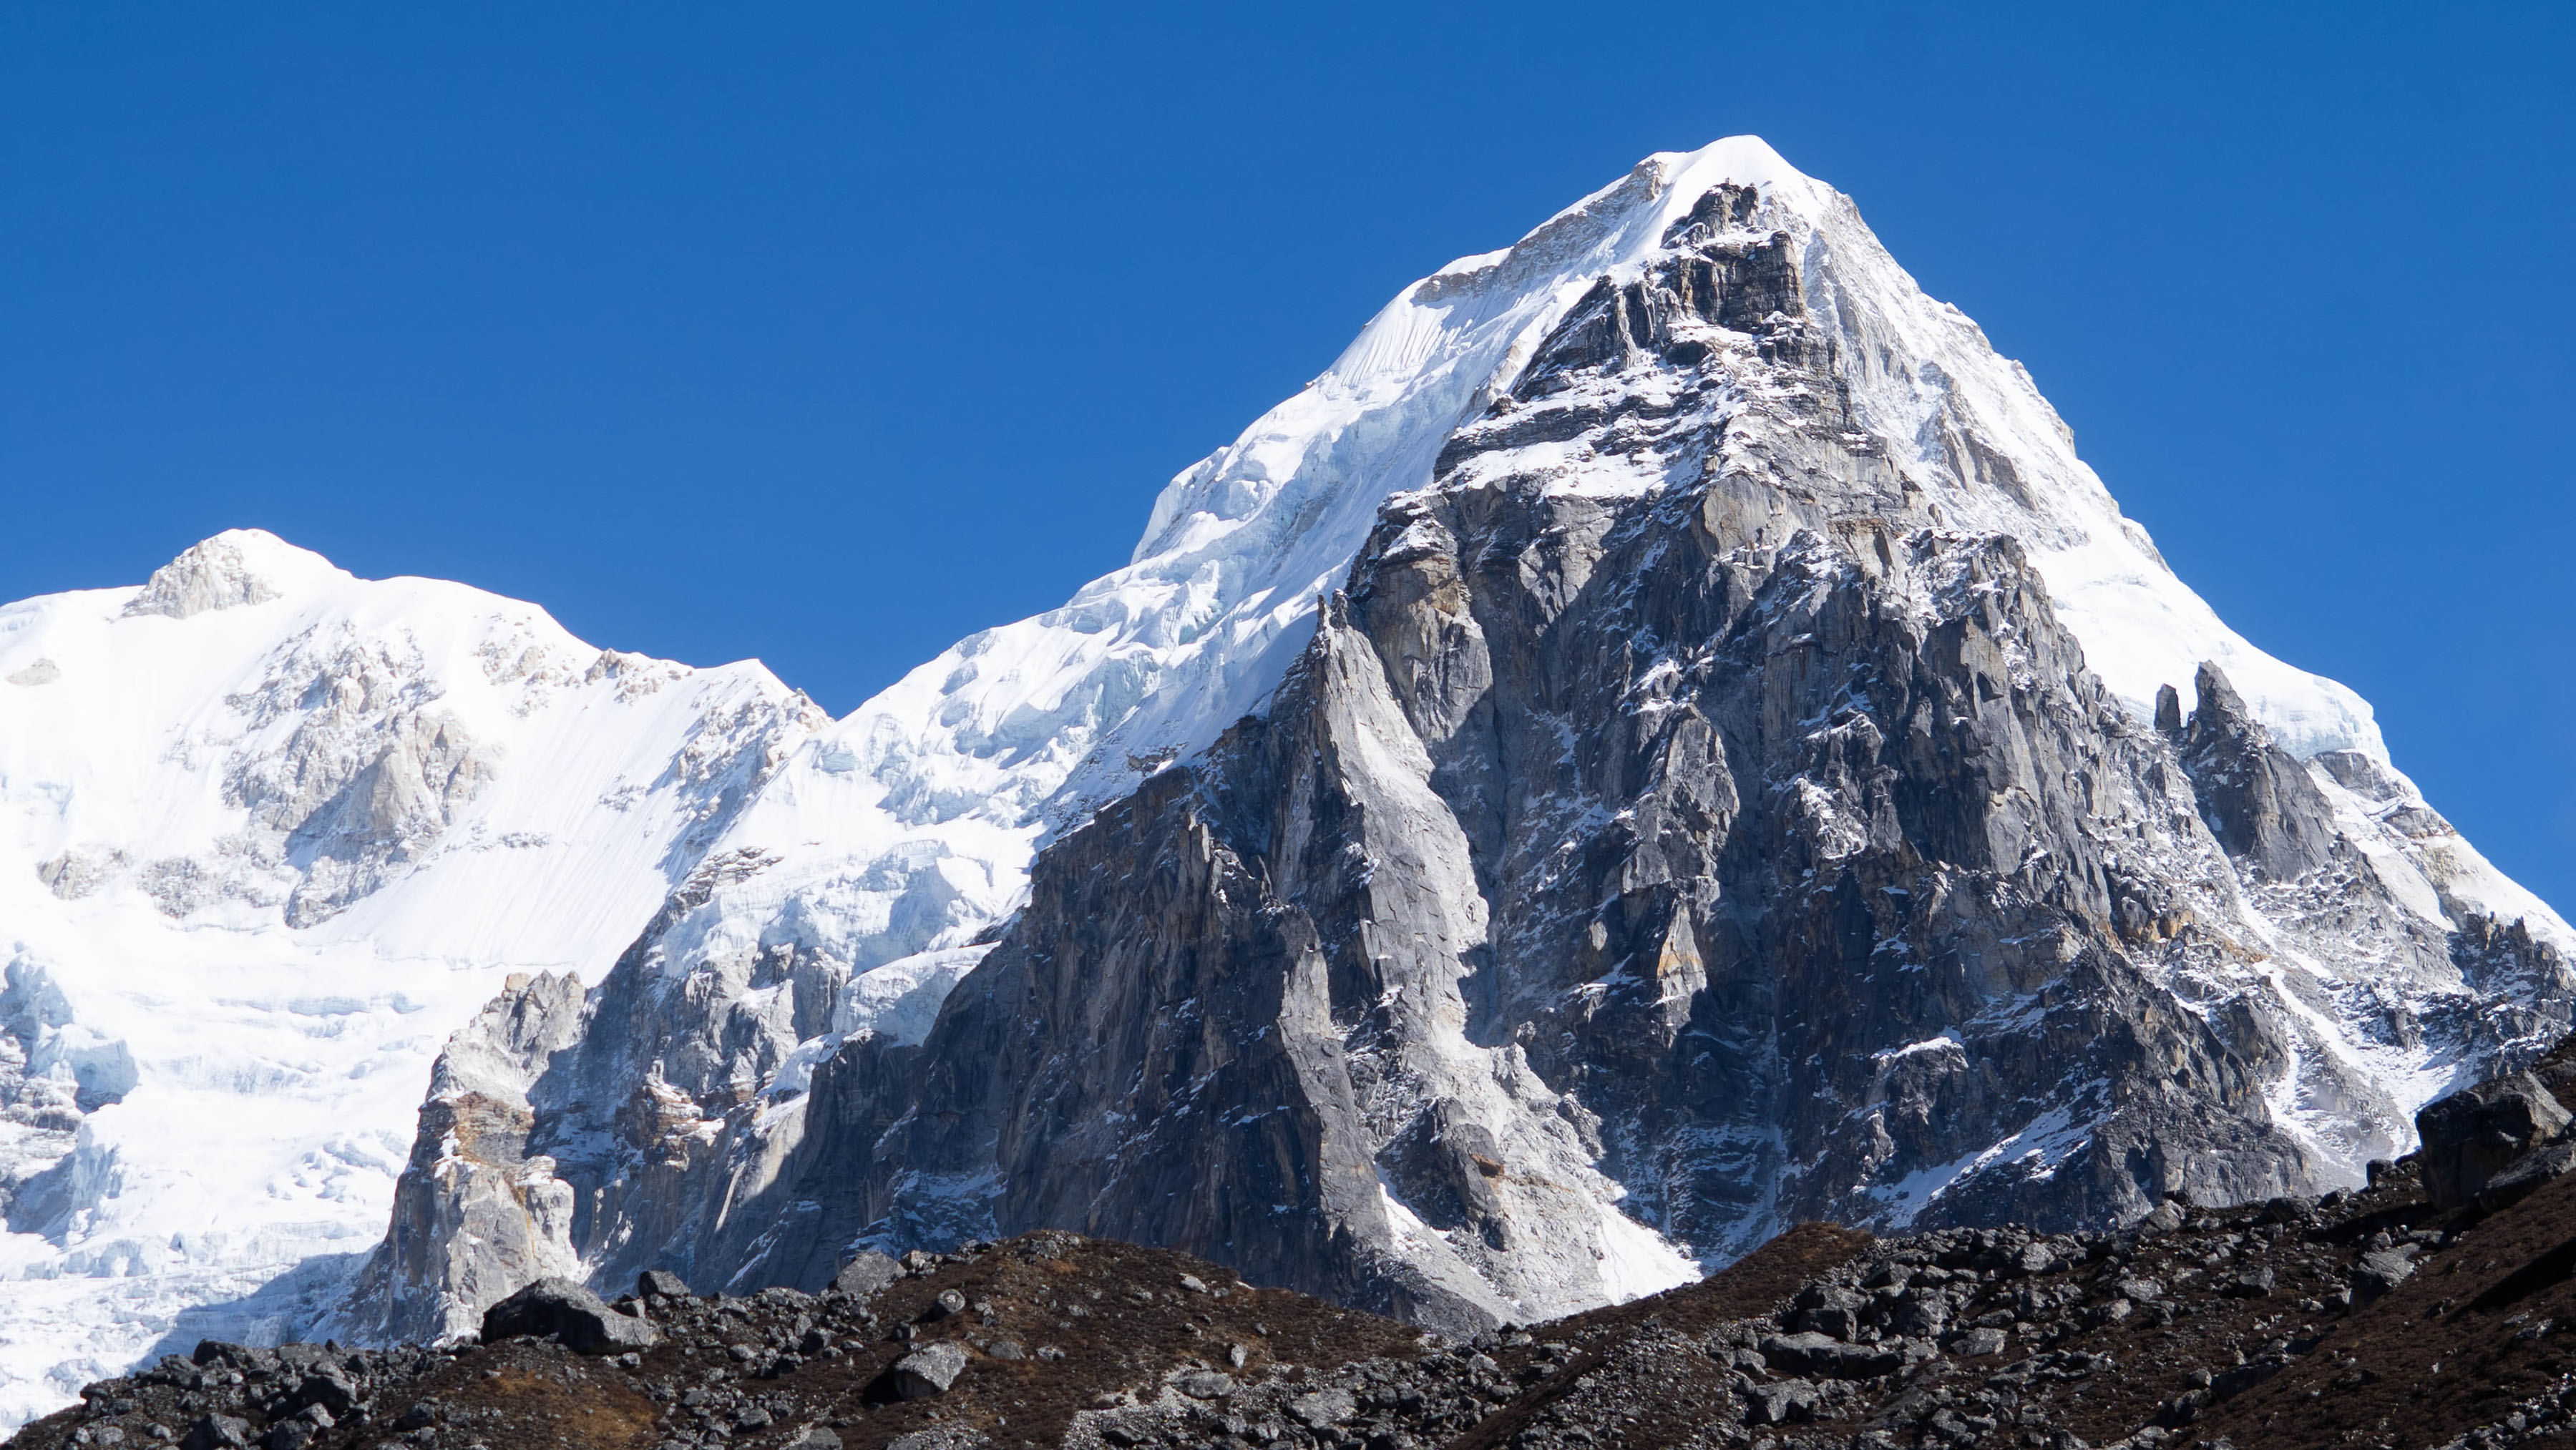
x: 1637, y: 1261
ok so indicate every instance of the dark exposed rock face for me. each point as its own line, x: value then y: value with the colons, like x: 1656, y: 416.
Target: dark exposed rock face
x: 1777, y: 914
x: 572, y: 1315
x: 1681, y: 824
x: 2472, y: 1135
x: 1761, y: 846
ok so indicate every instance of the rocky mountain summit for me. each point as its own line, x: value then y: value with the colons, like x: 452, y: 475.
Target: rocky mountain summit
x: 2388, y: 1316
x: 1699, y: 808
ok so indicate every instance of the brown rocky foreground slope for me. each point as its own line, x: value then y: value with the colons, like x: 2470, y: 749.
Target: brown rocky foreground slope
x: 2424, y: 1311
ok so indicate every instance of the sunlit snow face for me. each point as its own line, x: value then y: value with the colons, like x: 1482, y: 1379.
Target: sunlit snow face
x: 268, y: 834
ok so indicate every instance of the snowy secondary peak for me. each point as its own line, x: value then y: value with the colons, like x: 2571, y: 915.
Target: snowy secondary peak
x: 235, y: 567
x: 269, y: 833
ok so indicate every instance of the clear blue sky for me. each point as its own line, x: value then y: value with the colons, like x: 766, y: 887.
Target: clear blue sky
x: 827, y: 334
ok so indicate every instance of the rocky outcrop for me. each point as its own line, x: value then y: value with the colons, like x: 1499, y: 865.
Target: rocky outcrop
x: 2475, y: 1134
x: 217, y: 573
x: 556, y: 1115
x: 572, y: 1316
x: 1786, y: 909
x: 2258, y: 799
x: 479, y: 1212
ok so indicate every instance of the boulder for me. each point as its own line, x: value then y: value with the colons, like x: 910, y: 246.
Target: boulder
x: 2526, y: 1173
x: 571, y: 1313
x: 217, y: 1432
x: 1822, y: 1356
x: 2380, y: 1271
x: 2289, y: 1209
x: 1920, y: 1315
x: 866, y: 1274
x: 330, y: 1389
x: 1787, y: 1402
x: 929, y: 1370
x: 661, y: 1284
x: 297, y: 1430
x: 1830, y: 1309
x: 2474, y: 1134
x: 1324, y: 1408
x: 2249, y: 1284
x: 1977, y: 1343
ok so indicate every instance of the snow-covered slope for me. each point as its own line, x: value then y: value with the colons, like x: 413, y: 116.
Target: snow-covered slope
x: 268, y: 834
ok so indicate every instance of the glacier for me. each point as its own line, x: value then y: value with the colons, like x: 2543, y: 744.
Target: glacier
x: 332, y: 818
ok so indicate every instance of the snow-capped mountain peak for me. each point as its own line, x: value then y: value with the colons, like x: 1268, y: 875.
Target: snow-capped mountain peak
x: 268, y: 833
x: 1321, y: 909
x: 928, y: 799
x: 1714, y: 335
